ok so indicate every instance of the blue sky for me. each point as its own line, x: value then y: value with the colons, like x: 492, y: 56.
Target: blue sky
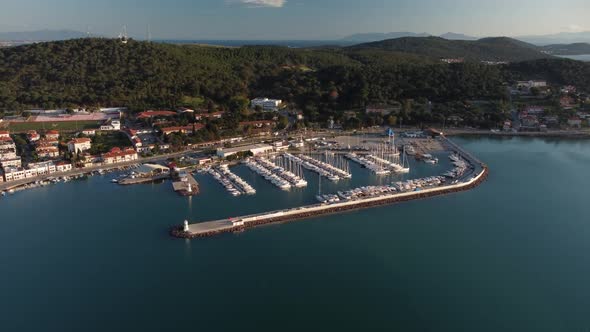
x: 296, y: 19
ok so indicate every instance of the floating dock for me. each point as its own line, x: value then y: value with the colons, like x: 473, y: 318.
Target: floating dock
x: 477, y: 174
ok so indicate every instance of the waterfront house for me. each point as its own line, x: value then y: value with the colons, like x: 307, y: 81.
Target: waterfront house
x: 117, y: 155
x: 63, y: 166
x: 13, y: 173
x: 43, y: 168
x: 79, y: 145
x: 4, y: 134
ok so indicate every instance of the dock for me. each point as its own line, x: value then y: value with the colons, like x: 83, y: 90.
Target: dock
x: 186, y: 185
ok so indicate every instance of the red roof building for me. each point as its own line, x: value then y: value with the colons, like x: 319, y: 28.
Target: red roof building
x: 116, y: 155
x: 151, y: 114
x: 184, y: 129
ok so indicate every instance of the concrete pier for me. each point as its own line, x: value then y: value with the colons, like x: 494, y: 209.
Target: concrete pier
x: 204, y: 229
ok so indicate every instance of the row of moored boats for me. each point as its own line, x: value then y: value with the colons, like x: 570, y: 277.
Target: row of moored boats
x: 324, y: 169
x: 235, y: 185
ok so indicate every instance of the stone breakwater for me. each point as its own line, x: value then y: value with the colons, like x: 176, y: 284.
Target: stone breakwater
x: 241, y: 224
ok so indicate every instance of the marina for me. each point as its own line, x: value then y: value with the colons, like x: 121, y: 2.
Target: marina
x: 278, y: 176
x: 234, y: 184
x: 333, y: 168
x: 472, y: 173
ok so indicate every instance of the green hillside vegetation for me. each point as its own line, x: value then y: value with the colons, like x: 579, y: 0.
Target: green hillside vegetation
x: 322, y: 82
x: 486, y: 49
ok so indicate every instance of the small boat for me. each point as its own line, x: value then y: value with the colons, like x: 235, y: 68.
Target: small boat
x: 115, y: 181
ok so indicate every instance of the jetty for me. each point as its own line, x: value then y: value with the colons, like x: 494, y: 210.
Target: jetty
x: 186, y: 185
x: 474, y: 175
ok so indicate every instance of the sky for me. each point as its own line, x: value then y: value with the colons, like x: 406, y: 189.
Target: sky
x: 295, y: 19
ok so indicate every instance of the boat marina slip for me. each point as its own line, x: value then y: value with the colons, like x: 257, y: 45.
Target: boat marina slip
x: 468, y: 172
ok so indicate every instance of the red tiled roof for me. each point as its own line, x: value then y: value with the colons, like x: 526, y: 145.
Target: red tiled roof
x: 4, y: 132
x: 116, y: 152
x: 81, y: 140
x: 168, y: 130
x: 52, y: 132
x: 150, y: 114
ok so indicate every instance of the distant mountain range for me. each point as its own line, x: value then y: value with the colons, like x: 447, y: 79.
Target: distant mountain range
x: 371, y: 37
x: 41, y: 35
x: 558, y: 38
x: 567, y: 49
x: 540, y: 40
x: 486, y: 49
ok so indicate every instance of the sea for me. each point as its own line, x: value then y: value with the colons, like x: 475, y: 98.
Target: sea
x: 582, y: 57
x: 510, y: 255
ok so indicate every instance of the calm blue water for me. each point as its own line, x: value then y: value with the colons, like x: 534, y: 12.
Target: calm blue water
x: 583, y: 57
x: 511, y: 255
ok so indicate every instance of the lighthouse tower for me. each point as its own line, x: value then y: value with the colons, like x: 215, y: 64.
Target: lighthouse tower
x: 190, y: 189
x: 185, y: 228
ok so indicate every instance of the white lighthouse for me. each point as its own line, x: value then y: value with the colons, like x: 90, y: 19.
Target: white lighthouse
x: 185, y: 229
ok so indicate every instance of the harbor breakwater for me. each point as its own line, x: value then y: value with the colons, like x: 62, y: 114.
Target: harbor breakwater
x: 243, y: 223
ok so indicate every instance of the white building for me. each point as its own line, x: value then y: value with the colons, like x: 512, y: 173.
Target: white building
x: 255, y: 149
x: 79, y: 145
x: 43, y: 168
x: 266, y: 104
x: 112, y: 125
x: 531, y: 84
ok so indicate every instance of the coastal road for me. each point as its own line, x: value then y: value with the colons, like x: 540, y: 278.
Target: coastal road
x: 78, y: 171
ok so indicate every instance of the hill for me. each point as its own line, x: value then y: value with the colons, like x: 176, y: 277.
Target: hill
x: 377, y: 36
x: 486, y: 49
x: 322, y: 82
x: 457, y: 36
x: 567, y: 49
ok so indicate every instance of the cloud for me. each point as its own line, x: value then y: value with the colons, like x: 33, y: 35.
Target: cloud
x: 575, y: 28
x: 260, y: 3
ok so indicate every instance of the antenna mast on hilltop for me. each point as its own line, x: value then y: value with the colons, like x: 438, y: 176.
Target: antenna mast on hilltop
x: 149, y: 33
x: 123, y: 35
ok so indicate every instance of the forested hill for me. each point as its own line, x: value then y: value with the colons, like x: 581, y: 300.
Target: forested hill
x: 486, y: 49
x: 321, y: 82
